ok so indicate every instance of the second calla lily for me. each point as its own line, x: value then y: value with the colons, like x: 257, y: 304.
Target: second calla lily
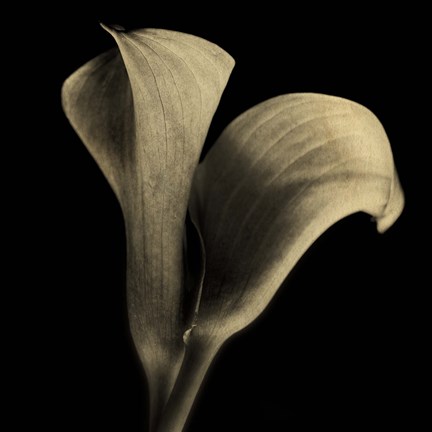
x: 277, y: 178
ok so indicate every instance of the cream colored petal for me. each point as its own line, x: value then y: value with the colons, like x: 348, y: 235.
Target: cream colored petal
x: 143, y: 111
x: 279, y: 176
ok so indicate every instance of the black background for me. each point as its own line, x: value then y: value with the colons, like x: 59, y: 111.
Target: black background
x: 340, y: 343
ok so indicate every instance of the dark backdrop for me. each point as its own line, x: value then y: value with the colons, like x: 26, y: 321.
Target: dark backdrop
x: 338, y: 345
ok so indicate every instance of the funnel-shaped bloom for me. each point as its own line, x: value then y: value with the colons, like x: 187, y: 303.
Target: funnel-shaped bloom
x: 143, y: 111
x: 278, y: 177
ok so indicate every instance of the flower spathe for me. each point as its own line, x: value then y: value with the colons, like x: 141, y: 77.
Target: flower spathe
x: 278, y: 177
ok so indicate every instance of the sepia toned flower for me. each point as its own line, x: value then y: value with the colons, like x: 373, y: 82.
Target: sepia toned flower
x: 279, y: 176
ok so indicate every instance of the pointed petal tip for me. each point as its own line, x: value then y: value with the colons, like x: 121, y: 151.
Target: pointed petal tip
x: 223, y: 58
x: 112, y: 29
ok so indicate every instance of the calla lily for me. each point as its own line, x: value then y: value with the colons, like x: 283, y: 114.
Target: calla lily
x: 279, y: 176
x: 143, y: 111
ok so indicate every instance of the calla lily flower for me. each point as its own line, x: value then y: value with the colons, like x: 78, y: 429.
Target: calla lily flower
x: 279, y: 176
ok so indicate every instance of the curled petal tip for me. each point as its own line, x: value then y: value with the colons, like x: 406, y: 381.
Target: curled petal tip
x: 393, y: 208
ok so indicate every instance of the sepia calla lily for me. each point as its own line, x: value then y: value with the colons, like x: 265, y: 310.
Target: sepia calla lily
x: 143, y: 111
x: 279, y: 176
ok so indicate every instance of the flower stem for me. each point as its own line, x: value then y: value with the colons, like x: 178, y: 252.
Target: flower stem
x: 160, y: 386
x: 196, y: 363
